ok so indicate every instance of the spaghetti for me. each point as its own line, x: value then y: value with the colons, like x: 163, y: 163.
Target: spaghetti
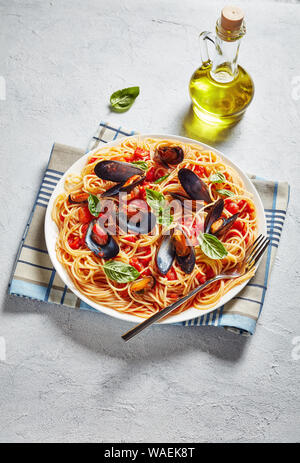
x: 85, y: 268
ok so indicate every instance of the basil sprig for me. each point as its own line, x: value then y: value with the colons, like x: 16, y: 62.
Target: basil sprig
x: 211, y: 246
x: 161, y: 179
x: 225, y: 192
x: 141, y: 164
x: 120, y: 272
x: 218, y: 177
x: 122, y: 100
x: 158, y: 204
x: 94, y: 205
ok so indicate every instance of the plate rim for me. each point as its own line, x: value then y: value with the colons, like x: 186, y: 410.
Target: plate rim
x: 184, y: 316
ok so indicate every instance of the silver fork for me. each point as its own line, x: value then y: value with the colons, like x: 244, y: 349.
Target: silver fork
x: 253, y: 255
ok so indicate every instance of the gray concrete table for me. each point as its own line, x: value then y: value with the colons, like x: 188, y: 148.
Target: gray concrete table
x: 67, y: 374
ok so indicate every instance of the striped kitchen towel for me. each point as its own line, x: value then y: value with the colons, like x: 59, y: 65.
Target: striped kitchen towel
x: 34, y: 277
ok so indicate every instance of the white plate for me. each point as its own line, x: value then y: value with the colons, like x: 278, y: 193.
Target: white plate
x: 51, y: 234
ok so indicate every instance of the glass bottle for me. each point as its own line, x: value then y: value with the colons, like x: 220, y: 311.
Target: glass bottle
x: 220, y: 89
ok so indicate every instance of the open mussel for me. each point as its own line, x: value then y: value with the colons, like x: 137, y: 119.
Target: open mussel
x: 169, y: 155
x: 213, y: 215
x: 124, y: 174
x: 143, y: 285
x: 140, y: 223
x: 214, y: 223
x: 135, y: 217
x: 78, y: 198
x: 101, y: 242
x: 221, y: 226
x: 185, y: 254
x: 193, y: 185
x: 177, y: 246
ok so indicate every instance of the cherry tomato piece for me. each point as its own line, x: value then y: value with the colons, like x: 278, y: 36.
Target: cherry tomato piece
x: 150, y: 175
x: 239, y: 225
x: 201, y: 171
x: 131, y: 238
x: 74, y: 242
x: 84, y: 215
x: 201, y: 278
x: 171, y: 275
x: 136, y: 264
x: 232, y: 207
x: 147, y: 272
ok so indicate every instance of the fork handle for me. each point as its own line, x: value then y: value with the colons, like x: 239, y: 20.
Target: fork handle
x: 162, y: 313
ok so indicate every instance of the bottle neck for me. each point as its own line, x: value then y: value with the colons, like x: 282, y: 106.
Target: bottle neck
x: 225, y: 63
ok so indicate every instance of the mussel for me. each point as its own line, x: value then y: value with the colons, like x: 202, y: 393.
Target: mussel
x: 140, y: 223
x: 136, y: 205
x: 124, y: 174
x: 99, y: 235
x: 143, y: 285
x: 116, y: 171
x: 214, y: 223
x: 101, y: 242
x: 165, y: 255
x: 185, y: 254
x: 214, y: 214
x: 135, y: 217
x: 190, y: 204
x: 169, y: 155
x: 78, y: 198
x: 177, y: 245
x: 193, y: 185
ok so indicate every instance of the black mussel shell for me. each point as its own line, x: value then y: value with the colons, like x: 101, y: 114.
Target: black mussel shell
x: 188, y: 203
x: 187, y: 263
x: 180, y: 197
x: 170, y: 155
x: 226, y: 225
x: 113, y: 191
x: 214, y: 214
x: 116, y: 171
x: 165, y: 255
x: 140, y: 223
x: 193, y: 185
x: 137, y: 179
x: 185, y: 254
x: 110, y: 250
x: 123, y: 187
x: 180, y: 242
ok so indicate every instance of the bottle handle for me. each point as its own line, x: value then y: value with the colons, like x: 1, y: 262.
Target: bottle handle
x: 204, y: 37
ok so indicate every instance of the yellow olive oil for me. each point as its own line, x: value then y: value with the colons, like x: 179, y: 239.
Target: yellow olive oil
x: 220, y: 89
x: 220, y: 102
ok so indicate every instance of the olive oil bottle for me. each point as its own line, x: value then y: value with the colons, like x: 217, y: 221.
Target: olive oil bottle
x: 220, y: 89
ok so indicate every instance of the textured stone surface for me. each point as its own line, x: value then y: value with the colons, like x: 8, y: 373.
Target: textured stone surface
x: 68, y: 376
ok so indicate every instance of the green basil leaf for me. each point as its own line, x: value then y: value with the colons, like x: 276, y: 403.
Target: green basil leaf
x: 211, y: 246
x: 161, y: 179
x: 120, y: 272
x: 218, y: 177
x: 155, y: 199
x: 158, y: 204
x: 122, y: 100
x: 141, y: 164
x: 225, y: 192
x: 94, y: 205
x: 164, y: 217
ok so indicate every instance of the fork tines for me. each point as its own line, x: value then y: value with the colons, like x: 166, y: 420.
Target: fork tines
x: 257, y: 249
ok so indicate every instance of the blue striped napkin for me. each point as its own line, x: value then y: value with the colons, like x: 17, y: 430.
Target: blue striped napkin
x: 34, y: 277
